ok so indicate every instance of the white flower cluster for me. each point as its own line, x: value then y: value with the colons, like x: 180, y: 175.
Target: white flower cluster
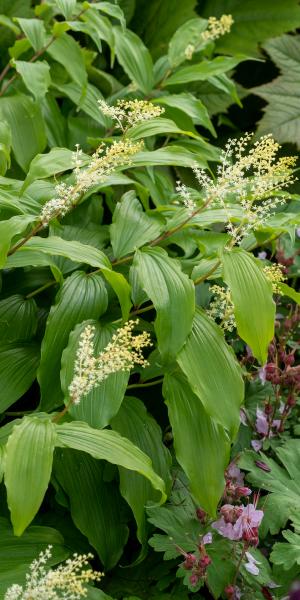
x: 103, y: 163
x: 67, y: 582
x: 121, y: 354
x: 185, y: 196
x: 249, y: 178
x: 274, y: 273
x: 217, y: 27
x: 130, y: 112
x: 222, y: 308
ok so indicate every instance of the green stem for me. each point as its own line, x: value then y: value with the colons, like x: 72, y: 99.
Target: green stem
x: 145, y: 385
x: 40, y: 289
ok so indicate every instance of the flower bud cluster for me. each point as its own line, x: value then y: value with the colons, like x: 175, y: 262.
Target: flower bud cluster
x: 274, y: 273
x: 123, y: 352
x: 198, y: 563
x: 103, y: 163
x: 235, y: 488
x: 127, y: 113
x: 221, y: 308
x: 249, y: 177
x: 217, y: 27
x: 68, y: 581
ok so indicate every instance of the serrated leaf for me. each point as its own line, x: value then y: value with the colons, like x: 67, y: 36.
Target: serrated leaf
x: 34, y: 30
x: 101, y: 404
x: 134, y: 423
x: 213, y: 372
x: 135, y: 59
x: 198, y: 440
x: 81, y: 297
x: 172, y: 294
x: 287, y: 555
x: 131, y: 226
x: 18, y: 366
x: 18, y: 318
x: 109, y: 445
x: 251, y: 294
x: 26, y: 123
x: 28, y: 465
x: 36, y: 76
x: 83, y: 480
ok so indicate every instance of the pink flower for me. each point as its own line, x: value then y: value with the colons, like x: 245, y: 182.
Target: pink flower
x: 261, y: 424
x: 256, y: 445
x: 251, y: 565
x: 239, y: 522
x: 207, y: 538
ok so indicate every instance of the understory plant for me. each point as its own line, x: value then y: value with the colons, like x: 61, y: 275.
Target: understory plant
x: 148, y: 315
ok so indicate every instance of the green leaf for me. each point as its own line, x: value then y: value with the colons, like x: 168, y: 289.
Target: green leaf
x: 36, y: 76
x: 7, y: 22
x: 289, y: 292
x: 8, y: 230
x: 34, y: 30
x: 33, y: 258
x: 18, y: 318
x: 28, y: 468
x: 190, y: 105
x: 83, y: 480
x: 169, y: 155
x: 113, y: 10
x: 76, y: 251
x: 172, y: 294
x: 121, y: 288
x: 110, y: 446
x: 213, y: 372
x: 254, y: 22
x: 5, y: 147
x: 135, y: 59
x: 99, y: 406
x: 282, y: 113
x: 251, y: 293
x: 42, y: 166
x: 198, y: 441
x: 88, y: 103
x: 25, y: 120
x: 134, y: 423
x: 203, y: 71
x: 68, y: 53
x: 188, y: 34
x: 18, y: 367
x: 81, y: 297
x: 287, y: 555
x: 66, y: 7
x: 131, y: 226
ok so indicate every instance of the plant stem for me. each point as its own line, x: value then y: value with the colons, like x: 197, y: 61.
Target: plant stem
x: 145, y: 385
x: 40, y: 289
x: 31, y: 233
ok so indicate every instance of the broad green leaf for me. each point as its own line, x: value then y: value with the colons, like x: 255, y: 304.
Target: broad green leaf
x: 251, y: 293
x: 81, y: 297
x: 156, y: 126
x: 131, y: 226
x: 20, y: 47
x: 198, y: 441
x: 17, y: 553
x: 112, y: 10
x: 101, y: 404
x: 68, y: 53
x: 7, y: 22
x: 36, y: 76
x: 33, y: 258
x: 76, y: 251
x: 5, y: 147
x: 134, y: 423
x: 287, y: 554
x: 55, y: 122
x: 190, y: 105
x: 18, y: 318
x: 188, y: 34
x: 121, y: 288
x: 254, y: 22
x: 25, y: 120
x: 88, y: 103
x: 42, y: 166
x: 213, y: 372
x: 289, y: 292
x: 135, y: 59
x: 28, y: 468
x: 169, y: 155
x: 34, y: 30
x: 18, y: 366
x: 8, y: 230
x: 282, y: 113
x: 110, y: 446
x: 203, y: 70
x: 83, y: 480
x: 173, y: 296
x: 67, y: 7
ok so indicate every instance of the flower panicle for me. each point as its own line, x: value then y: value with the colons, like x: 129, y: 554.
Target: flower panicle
x: 185, y: 196
x: 103, y: 163
x: 122, y: 353
x: 248, y: 178
x: 68, y: 581
x: 274, y: 273
x: 217, y: 27
x: 127, y: 113
x: 222, y: 308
